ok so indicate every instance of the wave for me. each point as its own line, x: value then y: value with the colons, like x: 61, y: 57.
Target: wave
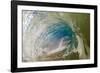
x: 44, y: 34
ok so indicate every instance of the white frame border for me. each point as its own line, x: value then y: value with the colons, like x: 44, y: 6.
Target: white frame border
x: 53, y: 63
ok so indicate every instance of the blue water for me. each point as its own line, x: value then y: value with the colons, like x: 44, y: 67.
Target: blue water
x: 55, y: 32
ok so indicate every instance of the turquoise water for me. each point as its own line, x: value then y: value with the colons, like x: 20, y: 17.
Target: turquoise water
x: 51, y: 32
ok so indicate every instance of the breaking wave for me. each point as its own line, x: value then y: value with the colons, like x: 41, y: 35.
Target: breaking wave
x: 44, y: 34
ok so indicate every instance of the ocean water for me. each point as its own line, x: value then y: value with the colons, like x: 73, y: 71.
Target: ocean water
x: 51, y: 36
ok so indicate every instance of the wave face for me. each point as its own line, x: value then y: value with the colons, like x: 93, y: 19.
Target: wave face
x: 44, y: 33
